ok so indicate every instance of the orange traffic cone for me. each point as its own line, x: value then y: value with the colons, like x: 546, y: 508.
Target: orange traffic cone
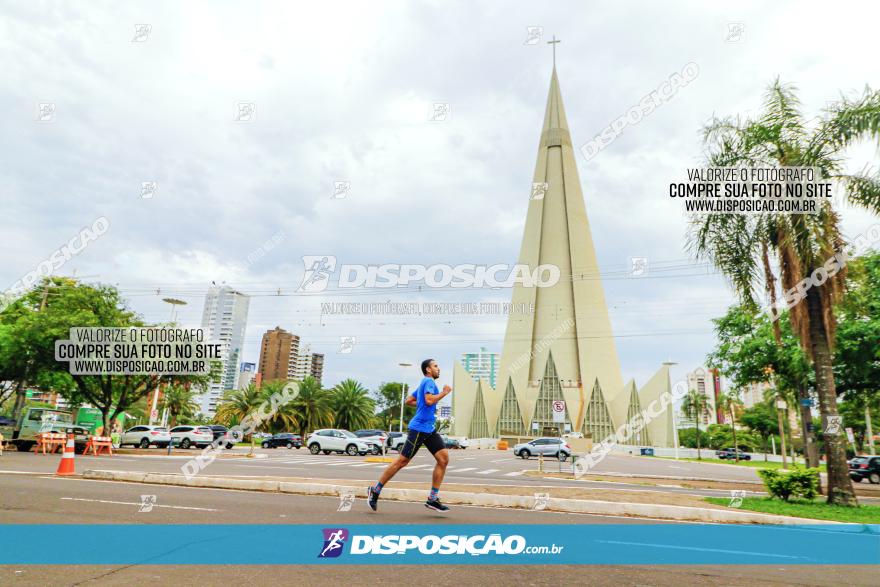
x: 65, y: 467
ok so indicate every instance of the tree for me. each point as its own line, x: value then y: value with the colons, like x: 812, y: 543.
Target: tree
x: 749, y: 351
x: 285, y: 416
x: 744, y: 248
x: 180, y: 403
x: 312, y: 406
x: 695, y: 407
x: 236, y: 404
x: 351, y: 404
x: 729, y: 403
x: 762, y: 420
x: 31, y: 325
x: 388, y: 398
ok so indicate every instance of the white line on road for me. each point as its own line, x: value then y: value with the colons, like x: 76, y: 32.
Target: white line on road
x: 411, y: 467
x: 487, y: 471
x: 176, y: 507
x: 457, y: 470
x: 514, y: 474
x: 501, y: 460
x: 362, y: 465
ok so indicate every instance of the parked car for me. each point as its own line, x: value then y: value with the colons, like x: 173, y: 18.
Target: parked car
x: 464, y: 442
x: 187, y: 436
x: 223, y: 432
x: 395, y: 440
x: 731, y: 453
x: 552, y: 447
x: 866, y: 467
x: 340, y: 441
x: 285, y: 439
x: 145, y: 436
x: 451, y: 443
x: 378, y: 437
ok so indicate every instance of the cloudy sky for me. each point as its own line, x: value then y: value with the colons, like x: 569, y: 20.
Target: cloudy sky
x: 344, y: 92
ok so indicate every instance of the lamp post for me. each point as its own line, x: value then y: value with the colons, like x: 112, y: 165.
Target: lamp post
x: 154, y: 411
x: 403, y: 397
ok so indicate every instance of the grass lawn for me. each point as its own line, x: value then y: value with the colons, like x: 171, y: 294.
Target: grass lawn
x: 817, y: 510
x: 756, y: 463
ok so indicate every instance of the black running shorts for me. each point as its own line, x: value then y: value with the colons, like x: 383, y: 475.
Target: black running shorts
x: 415, y: 439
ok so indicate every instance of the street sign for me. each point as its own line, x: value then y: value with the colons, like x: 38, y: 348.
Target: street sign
x: 780, y: 403
x: 807, y: 402
x: 558, y: 411
x: 850, y: 436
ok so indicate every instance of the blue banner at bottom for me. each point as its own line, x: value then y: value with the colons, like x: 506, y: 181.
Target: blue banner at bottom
x: 569, y: 544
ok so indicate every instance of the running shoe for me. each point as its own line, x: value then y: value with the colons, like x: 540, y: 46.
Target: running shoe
x: 373, y: 497
x: 434, y: 504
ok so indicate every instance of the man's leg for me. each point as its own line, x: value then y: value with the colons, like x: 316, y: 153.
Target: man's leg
x: 392, y: 469
x: 442, y: 458
x: 437, y: 447
x: 407, y: 452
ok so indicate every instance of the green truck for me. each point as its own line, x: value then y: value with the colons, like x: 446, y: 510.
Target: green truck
x: 33, y: 421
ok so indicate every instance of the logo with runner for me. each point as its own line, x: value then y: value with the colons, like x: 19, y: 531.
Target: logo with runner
x: 318, y: 269
x: 334, y: 541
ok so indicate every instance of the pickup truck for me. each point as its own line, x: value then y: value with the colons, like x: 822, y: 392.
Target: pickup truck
x: 731, y: 453
x: 34, y: 421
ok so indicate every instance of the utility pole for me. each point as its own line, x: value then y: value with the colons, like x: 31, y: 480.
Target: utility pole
x: 869, y: 430
x: 780, y: 406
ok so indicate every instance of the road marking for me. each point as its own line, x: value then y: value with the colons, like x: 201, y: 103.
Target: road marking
x: 487, y: 471
x: 457, y: 470
x: 176, y: 507
x: 362, y: 465
x: 501, y: 460
x: 514, y: 474
x: 410, y: 467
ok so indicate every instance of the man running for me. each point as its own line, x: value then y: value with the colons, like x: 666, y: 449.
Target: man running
x: 421, y: 431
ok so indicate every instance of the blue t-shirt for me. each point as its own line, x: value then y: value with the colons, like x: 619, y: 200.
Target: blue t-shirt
x: 425, y: 416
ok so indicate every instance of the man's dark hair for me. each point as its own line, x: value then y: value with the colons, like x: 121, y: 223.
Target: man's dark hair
x: 425, y: 364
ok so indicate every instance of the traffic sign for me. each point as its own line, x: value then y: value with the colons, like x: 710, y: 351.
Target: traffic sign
x: 558, y: 411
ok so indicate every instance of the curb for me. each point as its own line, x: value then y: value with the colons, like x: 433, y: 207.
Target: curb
x: 581, y: 506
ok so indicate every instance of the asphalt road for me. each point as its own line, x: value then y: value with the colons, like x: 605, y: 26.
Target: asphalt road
x: 472, y: 467
x: 38, y: 498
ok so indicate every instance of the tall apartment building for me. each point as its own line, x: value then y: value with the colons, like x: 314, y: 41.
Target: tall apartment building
x: 708, y: 383
x: 481, y: 365
x: 279, y: 353
x: 282, y: 357
x: 224, y: 319
x: 246, y: 375
x: 308, y: 364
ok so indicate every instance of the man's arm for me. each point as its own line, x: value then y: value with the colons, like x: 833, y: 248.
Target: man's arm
x: 411, y: 400
x: 432, y: 399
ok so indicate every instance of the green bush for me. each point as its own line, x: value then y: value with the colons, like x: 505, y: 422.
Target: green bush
x: 802, y: 483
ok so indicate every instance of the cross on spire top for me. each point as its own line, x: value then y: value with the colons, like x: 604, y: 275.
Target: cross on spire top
x: 554, y: 42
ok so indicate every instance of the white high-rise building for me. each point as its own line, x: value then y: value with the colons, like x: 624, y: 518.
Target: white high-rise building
x: 481, y: 365
x: 224, y: 320
x: 703, y: 381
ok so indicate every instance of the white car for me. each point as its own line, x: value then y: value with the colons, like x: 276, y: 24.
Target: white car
x: 187, y: 436
x: 144, y: 436
x: 341, y: 441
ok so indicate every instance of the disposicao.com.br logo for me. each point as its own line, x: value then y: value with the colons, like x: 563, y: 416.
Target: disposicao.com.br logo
x: 321, y: 269
x: 452, y: 544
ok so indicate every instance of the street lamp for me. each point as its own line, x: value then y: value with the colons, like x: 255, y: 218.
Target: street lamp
x: 154, y: 411
x: 403, y: 398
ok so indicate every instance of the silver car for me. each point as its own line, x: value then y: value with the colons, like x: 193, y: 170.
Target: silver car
x: 549, y: 447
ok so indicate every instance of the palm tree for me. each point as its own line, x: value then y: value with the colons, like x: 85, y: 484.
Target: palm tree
x: 744, y: 247
x: 729, y: 402
x: 237, y: 404
x: 180, y: 403
x: 284, y: 417
x: 351, y: 404
x: 694, y: 407
x: 312, y: 406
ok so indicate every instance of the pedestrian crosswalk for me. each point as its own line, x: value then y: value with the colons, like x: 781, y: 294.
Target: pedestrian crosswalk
x: 420, y: 463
